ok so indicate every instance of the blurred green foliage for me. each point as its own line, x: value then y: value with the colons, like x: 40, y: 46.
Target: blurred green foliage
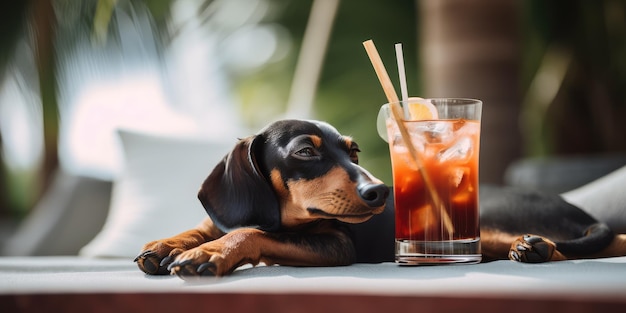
x: 14, y: 186
x: 584, y: 117
x: 586, y: 114
x: 349, y: 94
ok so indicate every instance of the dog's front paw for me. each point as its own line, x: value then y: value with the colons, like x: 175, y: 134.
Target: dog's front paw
x: 205, y: 260
x: 532, y: 249
x: 156, y: 256
x: 219, y: 257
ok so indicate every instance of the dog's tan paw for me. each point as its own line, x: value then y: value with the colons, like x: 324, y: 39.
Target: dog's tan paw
x: 533, y: 249
x: 206, y: 260
x: 156, y: 257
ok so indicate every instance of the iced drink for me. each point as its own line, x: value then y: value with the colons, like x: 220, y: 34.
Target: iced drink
x: 436, y: 190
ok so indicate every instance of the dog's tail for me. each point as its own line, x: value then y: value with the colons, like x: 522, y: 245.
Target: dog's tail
x: 594, y: 239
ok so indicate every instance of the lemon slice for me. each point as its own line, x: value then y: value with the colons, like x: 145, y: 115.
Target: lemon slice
x: 421, y: 109
x: 418, y: 109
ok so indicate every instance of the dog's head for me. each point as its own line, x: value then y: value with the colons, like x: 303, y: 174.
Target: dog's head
x: 291, y: 173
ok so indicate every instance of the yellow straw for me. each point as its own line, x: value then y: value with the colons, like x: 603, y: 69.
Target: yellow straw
x: 441, y: 214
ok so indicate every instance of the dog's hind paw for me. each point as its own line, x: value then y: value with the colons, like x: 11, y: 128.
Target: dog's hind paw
x: 532, y: 249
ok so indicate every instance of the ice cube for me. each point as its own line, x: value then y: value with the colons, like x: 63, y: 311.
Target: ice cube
x: 458, y: 176
x: 435, y: 132
x: 458, y: 124
x: 397, y: 141
x: 461, y: 150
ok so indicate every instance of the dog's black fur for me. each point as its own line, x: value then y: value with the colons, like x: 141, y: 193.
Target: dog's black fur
x: 294, y: 194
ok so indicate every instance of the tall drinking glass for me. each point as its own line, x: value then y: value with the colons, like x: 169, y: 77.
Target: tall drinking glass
x: 435, y: 179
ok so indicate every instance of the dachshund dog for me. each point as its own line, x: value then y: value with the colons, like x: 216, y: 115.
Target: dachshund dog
x: 294, y: 194
x: 282, y: 196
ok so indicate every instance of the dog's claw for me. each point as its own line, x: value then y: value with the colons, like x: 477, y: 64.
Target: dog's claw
x: 513, y: 255
x: 166, y: 260
x: 533, y: 239
x: 179, y: 264
x: 204, y: 266
x: 144, y: 255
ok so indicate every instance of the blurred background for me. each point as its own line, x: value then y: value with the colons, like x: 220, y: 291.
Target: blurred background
x: 552, y: 75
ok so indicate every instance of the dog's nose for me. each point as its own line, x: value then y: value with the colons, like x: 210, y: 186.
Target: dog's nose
x: 374, y: 195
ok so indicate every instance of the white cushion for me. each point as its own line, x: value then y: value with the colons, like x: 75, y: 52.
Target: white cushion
x: 604, y: 199
x: 156, y: 195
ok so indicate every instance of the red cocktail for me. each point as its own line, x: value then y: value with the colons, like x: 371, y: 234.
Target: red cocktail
x: 436, y: 190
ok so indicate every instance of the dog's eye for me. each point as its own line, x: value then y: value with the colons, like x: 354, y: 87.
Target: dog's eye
x: 354, y: 153
x: 354, y: 156
x: 306, y: 152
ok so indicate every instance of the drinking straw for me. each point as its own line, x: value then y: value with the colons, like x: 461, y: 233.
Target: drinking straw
x: 402, y: 73
x: 397, y: 113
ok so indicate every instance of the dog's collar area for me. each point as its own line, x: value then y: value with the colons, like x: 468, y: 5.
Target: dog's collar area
x: 318, y: 212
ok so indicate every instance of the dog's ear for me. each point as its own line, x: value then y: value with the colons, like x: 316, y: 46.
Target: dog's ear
x: 236, y: 194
